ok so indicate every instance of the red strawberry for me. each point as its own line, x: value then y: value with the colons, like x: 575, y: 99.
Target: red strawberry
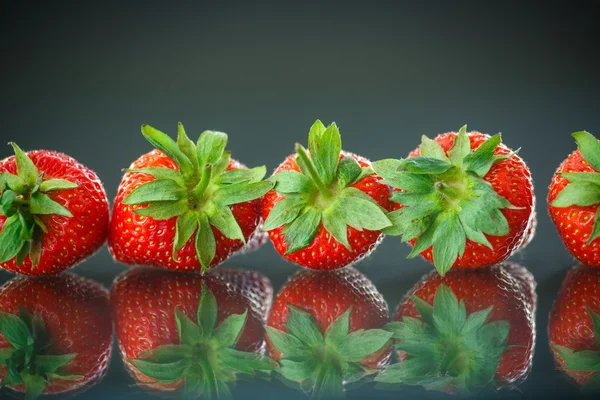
x: 574, y: 327
x: 55, y: 334
x: 53, y: 212
x: 324, y: 328
x: 327, y: 208
x: 466, y: 331
x: 189, y: 332
x: 183, y: 190
x: 463, y: 200
x: 574, y: 198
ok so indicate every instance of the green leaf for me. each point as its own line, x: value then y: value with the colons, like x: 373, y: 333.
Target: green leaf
x: 242, y: 175
x: 302, y: 230
x: 414, y: 183
x: 425, y: 165
x: 14, y: 182
x: 284, y: 212
x: 211, y: 145
x: 584, y: 360
x: 167, y: 353
x: 184, y: 229
x: 424, y: 308
x: 449, y: 316
x: 476, y: 320
x: 449, y: 241
x: 329, y: 382
x: 580, y: 193
x: 42, y: 204
x: 163, y: 210
x: 431, y: 148
x: 481, y: 160
x: 338, y: 330
x: 593, y: 177
x: 494, y: 334
x: 336, y: 226
x: 596, y: 229
x: 461, y: 147
x: 288, y: 345
x: 298, y: 371
x: 425, y: 240
x: 474, y: 234
x: 290, y: 182
x: 228, y: 332
x: 168, y: 146
x: 361, y: 214
x: 221, y: 165
x: 589, y: 148
x: 223, y: 219
x: 207, y: 311
x: 186, y: 146
x: 302, y: 325
x: 25, y: 167
x: 10, y: 238
x: 245, y: 362
x: 34, y: 385
x: 325, y: 147
x: 361, y: 343
x: 50, y: 363
x: 189, y: 332
x: 348, y: 171
x: 14, y: 330
x: 23, y: 252
x: 242, y: 192
x: 411, y: 371
x: 206, y: 246
x: 5, y: 353
x: 171, y: 371
x: 160, y: 174
x: 154, y: 191
x: 56, y: 184
x: 388, y: 167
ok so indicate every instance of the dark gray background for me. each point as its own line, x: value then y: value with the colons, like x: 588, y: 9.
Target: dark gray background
x: 81, y: 78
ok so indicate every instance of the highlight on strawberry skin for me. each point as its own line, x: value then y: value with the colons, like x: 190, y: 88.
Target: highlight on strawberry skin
x: 327, y: 209
x: 574, y: 197
x: 191, y: 334
x: 461, y: 200
x: 574, y: 327
x: 55, y: 335
x: 325, y: 331
x: 468, y: 332
x: 53, y: 212
x: 186, y: 206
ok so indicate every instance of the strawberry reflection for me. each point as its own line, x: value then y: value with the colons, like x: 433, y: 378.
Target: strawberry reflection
x: 325, y: 330
x: 189, y: 333
x: 55, y: 334
x: 574, y: 327
x: 466, y: 332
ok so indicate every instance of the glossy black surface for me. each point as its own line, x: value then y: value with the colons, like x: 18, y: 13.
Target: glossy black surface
x: 81, y: 78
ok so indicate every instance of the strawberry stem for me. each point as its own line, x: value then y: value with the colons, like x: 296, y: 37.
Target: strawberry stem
x: 203, y: 184
x: 314, y: 175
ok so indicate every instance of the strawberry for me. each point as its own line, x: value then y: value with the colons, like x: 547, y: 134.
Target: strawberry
x: 55, y: 334
x: 182, y: 189
x: 466, y: 331
x: 574, y: 327
x: 327, y: 208
x: 324, y: 329
x: 462, y: 200
x: 574, y: 198
x: 53, y: 212
x: 191, y: 333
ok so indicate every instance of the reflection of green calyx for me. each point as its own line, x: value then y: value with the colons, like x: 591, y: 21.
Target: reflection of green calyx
x: 24, y: 198
x: 27, y: 361
x: 447, y: 350
x: 322, y: 192
x: 323, y: 363
x: 585, y: 360
x: 200, y: 192
x: 205, y: 358
x: 446, y: 199
x: 584, y: 187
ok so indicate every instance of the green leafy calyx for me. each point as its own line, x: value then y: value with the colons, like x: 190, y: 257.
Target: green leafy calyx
x: 200, y: 192
x: 445, y: 197
x: 24, y: 199
x: 205, y: 358
x: 585, y: 360
x: 322, y: 192
x: 583, y: 188
x: 323, y: 363
x: 447, y: 350
x: 28, y: 360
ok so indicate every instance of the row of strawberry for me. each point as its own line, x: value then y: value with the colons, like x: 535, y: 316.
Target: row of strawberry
x: 463, y: 200
x: 470, y: 331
